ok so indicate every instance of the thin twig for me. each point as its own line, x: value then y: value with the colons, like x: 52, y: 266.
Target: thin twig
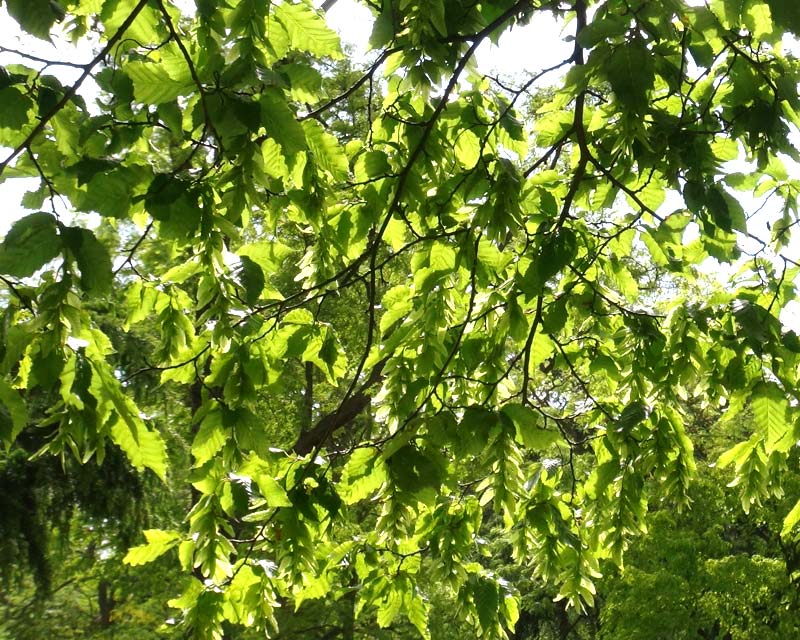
x: 73, y: 89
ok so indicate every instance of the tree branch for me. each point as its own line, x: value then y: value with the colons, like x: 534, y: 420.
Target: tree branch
x: 344, y: 414
x: 70, y: 93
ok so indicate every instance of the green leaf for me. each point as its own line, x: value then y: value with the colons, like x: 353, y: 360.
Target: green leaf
x: 786, y: 14
x: 158, y: 543
x: 30, y: 244
x: 417, y: 612
x: 172, y: 202
x: 152, y: 84
x: 210, y: 438
x: 770, y: 414
x: 718, y: 208
x: 556, y: 251
x: 251, y: 278
x: 375, y: 164
x: 529, y: 433
x: 305, y: 82
x: 630, y: 71
x: 738, y: 454
x: 729, y: 11
x: 436, y: 14
x: 468, y: 148
x: 758, y: 19
x: 13, y: 413
x: 36, y: 17
x: 92, y: 257
x: 363, y: 474
x: 273, y: 492
x: 307, y: 30
x: 791, y: 520
x: 487, y: 600
x: 107, y: 194
x: 389, y: 607
x: 411, y: 470
x: 143, y: 447
x: 631, y: 415
x: 280, y: 122
x: 14, y: 108
x: 327, y: 150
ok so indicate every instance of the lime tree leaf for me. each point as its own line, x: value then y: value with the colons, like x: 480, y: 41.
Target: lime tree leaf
x: 36, y: 17
x: 210, y: 438
x: 758, y: 19
x: 770, y: 410
x: 92, y: 257
x: 791, y: 520
x: 153, y: 85
x: 389, y: 607
x: 280, y: 122
x: 527, y: 421
x: 486, y: 598
x: 555, y: 253
x: 30, y: 244
x: 327, y: 150
x: 417, y: 612
x: 305, y: 82
x: 631, y: 415
x: 374, y: 164
x: 143, y: 447
x: 631, y: 73
x: 251, y: 278
x: 363, y: 475
x: 786, y: 14
x: 13, y: 413
x: 308, y: 31
x: 729, y: 11
x: 158, y: 543
x: 468, y: 149
x: 411, y: 470
x: 737, y: 454
x: 14, y: 108
x: 273, y: 492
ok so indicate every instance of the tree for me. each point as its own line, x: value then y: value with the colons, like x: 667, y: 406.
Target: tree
x: 451, y: 298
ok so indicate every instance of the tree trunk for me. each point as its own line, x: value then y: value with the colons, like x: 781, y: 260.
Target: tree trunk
x: 105, y: 603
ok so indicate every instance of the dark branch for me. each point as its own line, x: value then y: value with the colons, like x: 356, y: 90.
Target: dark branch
x: 344, y: 414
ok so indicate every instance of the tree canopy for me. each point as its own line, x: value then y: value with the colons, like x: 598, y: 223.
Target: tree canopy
x: 386, y: 305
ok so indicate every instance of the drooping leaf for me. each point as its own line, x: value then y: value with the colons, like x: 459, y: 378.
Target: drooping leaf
x: 770, y: 410
x: 36, y: 17
x: 92, y: 258
x: 30, y: 244
x: 13, y: 413
x: 14, y: 108
x: 158, y: 543
x: 307, y: 30
x: 152, y: 84
x: 630, y: 71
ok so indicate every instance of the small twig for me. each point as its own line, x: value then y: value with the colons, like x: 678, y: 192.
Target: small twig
x: 73, y: 89
x: 44, y: 61
x: 137, y: 244
x: 25, y: 300
x: 193, y: 73
x: 353, y: 88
